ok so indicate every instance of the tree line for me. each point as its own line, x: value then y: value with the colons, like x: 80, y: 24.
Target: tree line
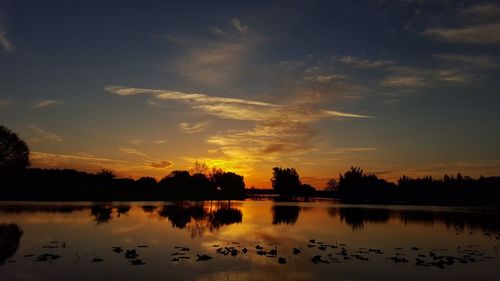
x: 20, y: 182
x: 201, y: 183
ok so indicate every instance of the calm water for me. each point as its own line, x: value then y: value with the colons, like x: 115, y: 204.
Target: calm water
x: 54, y: 241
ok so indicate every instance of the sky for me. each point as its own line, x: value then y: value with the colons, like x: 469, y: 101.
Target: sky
x: 397, y: 87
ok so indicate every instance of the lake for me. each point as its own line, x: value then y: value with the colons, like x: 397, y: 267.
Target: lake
x: 246, y: 240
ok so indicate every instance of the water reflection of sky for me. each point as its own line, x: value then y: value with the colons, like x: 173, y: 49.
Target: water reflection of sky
x: 88, y: 232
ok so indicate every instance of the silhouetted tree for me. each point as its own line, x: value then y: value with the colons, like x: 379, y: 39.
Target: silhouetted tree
x: 106, y: 176
x: 200, y: 185
x: 175, y: 180
x: 306, y: 190
x: 285, y: 181
x: 228, y: 183
x: 332, y: 185
x: 199, y: 168
x: 146, y: 182
x: 14, y: 153
x: 354, y: 185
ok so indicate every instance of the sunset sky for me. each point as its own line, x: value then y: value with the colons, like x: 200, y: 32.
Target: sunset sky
x: 144, y: 88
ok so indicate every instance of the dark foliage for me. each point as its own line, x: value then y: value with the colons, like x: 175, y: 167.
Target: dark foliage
x: 146, y: 183
x: 286, y: 181
x: 354, y: 184
x: 14, y: 153
x: 228, y: 183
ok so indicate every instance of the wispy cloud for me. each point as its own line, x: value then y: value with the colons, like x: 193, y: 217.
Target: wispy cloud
x: 194, y: 128
x: 44, y: 135
x: 225, y: 56
x: 5, y: 103
x: 414, y: 77
x: 325, y: 78
x: 482, y: 12
x: 181, y: 96
x: 477, y: 34
x: 278, y: 128
x: 47, y: 103
x: 343, y: 150
x: 483, y: 61
x: 132, y: 151
x: 362, y: 63
x: 136, y: 141
x: 403, y: 81
x: 237, y: 24
x: 4, y: 40
x: 343, y: 114
x: 476, y: 24
x: 47, y: 158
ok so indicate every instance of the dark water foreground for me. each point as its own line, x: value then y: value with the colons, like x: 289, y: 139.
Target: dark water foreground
x: 250, y: 240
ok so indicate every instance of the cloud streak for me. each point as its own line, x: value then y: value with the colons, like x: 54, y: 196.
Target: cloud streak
x: 478, y: 24
x: 44, y: 135
x: 4, y: 40
x: 181, y: 96
x: 194, y: 128
x: 477, y: 34
x: 5, y: 103
x: 47, y: 103
x: 132, y: 151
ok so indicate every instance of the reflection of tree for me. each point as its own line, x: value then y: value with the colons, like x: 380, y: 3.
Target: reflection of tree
x: 124, y: 209
x: 40, y: 208
x: 10, y: 236
x: 149, y: 209
x: 226, y: 216
x: 356, y: 217
x: 484, y: 220
x: 333, y: 212
x: 179, y: 215
x: 101, y: 214
x: 198, y: 218
x: 285, y: 214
